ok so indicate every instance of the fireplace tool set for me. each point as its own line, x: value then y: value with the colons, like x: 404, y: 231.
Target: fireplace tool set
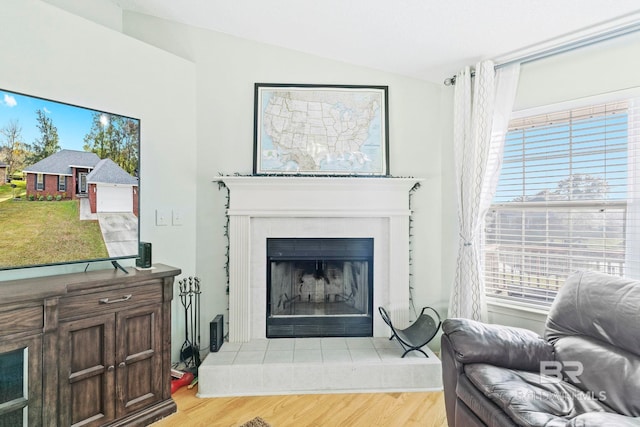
x: 190, y: 300
x: 190, y: 350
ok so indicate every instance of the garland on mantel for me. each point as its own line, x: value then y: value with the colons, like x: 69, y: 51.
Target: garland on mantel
x: 415, y: 187
x: 411, y: 301
x: 227, y: 205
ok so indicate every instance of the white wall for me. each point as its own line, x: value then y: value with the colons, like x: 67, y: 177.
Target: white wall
x: 227, y: 68
x: 103, y: 12
x: 601, y: 68
x: 50, y: 53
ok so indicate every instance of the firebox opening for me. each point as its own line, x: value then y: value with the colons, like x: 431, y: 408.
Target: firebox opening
x: 319, y: 287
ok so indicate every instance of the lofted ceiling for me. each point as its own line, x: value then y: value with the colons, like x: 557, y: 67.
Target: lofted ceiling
x: 425, y: 39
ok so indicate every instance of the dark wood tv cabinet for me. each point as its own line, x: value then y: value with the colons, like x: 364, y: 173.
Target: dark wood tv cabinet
x: 90, y: 349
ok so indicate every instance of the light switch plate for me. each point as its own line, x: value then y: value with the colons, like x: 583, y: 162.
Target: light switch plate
x: 163, y: 217
x: 178, y: 217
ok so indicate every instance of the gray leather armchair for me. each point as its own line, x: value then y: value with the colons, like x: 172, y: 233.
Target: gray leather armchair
x: 584, y: 372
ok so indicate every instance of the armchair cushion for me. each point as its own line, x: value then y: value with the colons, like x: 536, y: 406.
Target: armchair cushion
x: 609, y: 372
x: 601, y: 419
x: 532, y: 399
x: 508, y: 347
x: 595, y: 321
x: 597, y: 305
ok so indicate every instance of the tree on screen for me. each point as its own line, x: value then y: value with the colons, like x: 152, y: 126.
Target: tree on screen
x: 12, y: 147
x: 47, y: 143
x: 114, y: 137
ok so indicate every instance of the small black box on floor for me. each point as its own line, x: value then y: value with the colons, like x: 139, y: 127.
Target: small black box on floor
x: 216, y: 334
x: 144, y: 253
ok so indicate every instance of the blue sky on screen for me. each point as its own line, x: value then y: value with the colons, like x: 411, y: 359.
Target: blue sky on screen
x: 72, y: 122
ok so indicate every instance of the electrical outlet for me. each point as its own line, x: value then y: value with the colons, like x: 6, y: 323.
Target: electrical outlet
x: 162, y: 217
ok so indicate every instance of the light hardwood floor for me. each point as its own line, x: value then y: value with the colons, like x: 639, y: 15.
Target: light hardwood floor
x: 310, y: 410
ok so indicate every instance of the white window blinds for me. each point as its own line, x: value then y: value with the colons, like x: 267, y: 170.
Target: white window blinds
x: 562, y: 202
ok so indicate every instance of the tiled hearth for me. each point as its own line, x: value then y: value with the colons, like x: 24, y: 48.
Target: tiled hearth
x: 315, y: 207
x: 316, y: 365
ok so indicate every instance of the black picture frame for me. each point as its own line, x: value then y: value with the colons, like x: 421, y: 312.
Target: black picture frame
x: 318, y: 129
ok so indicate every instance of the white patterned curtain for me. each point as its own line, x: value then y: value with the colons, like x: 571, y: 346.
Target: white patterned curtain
x: 482, y: 108
x: 632, y: 226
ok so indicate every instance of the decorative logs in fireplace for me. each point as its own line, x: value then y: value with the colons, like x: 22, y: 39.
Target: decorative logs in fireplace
x: 319, y: 287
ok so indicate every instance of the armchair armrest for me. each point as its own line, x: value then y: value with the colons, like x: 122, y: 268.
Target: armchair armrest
x: 505, y: 346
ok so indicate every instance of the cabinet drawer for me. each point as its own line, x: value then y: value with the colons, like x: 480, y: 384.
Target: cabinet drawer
x: 109, y: 300
x: 21, y: 320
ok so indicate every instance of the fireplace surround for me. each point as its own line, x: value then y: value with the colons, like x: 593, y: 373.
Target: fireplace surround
x: 267, y: 207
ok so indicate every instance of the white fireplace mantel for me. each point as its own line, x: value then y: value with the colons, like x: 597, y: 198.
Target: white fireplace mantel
x: 302, y: 196
x: 261, y: 207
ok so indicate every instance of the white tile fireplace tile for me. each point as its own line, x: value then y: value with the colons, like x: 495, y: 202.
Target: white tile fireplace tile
x: 281, y: 344
x: 338, y: 377
x: 224, y: 358
x: 278, y: 356
x: 255, y: 345
x: 307, y: 356
x: 249, y: 357
x: 364, y: 355
x: 336, y: 355
x: 360, y: 343
x: 277, y: 379
x: 333, y: 343
x: 307, y: 377
x: 307, y: 343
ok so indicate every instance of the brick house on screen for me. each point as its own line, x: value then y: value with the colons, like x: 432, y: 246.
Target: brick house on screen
x: 63, y: 173
x: 75, y: 174
x: 3, y: 173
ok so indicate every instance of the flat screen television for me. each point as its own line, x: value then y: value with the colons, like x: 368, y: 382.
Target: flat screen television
x: 69, y: 183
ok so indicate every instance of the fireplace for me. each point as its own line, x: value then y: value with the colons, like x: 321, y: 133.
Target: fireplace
x: 264, y: 208
x: 319, y: 287
x: 312, y: 212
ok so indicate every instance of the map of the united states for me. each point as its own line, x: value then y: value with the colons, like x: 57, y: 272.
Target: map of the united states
x: 314, y: 130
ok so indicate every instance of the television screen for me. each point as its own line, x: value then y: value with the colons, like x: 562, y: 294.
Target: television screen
x: 69, y: 183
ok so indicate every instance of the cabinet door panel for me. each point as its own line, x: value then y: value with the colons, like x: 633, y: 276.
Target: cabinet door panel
x: 139, y: 373
x: 21, y: 382
x: 87, y: 371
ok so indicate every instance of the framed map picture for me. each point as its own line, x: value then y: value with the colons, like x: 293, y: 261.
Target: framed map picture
x: 304, y: 129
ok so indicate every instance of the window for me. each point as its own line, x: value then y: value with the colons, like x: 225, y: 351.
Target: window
x: 561, y: 202
x: 62, y: 183
x: 39, y: 182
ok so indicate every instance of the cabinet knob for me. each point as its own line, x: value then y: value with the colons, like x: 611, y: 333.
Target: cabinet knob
x: 122, y: 365
x: 110, y: 368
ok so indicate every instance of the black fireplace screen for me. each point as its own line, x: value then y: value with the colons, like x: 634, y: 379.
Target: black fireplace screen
x: 319, y: 287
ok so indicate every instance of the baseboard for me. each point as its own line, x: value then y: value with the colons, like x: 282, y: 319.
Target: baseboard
x: 147, y: 416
